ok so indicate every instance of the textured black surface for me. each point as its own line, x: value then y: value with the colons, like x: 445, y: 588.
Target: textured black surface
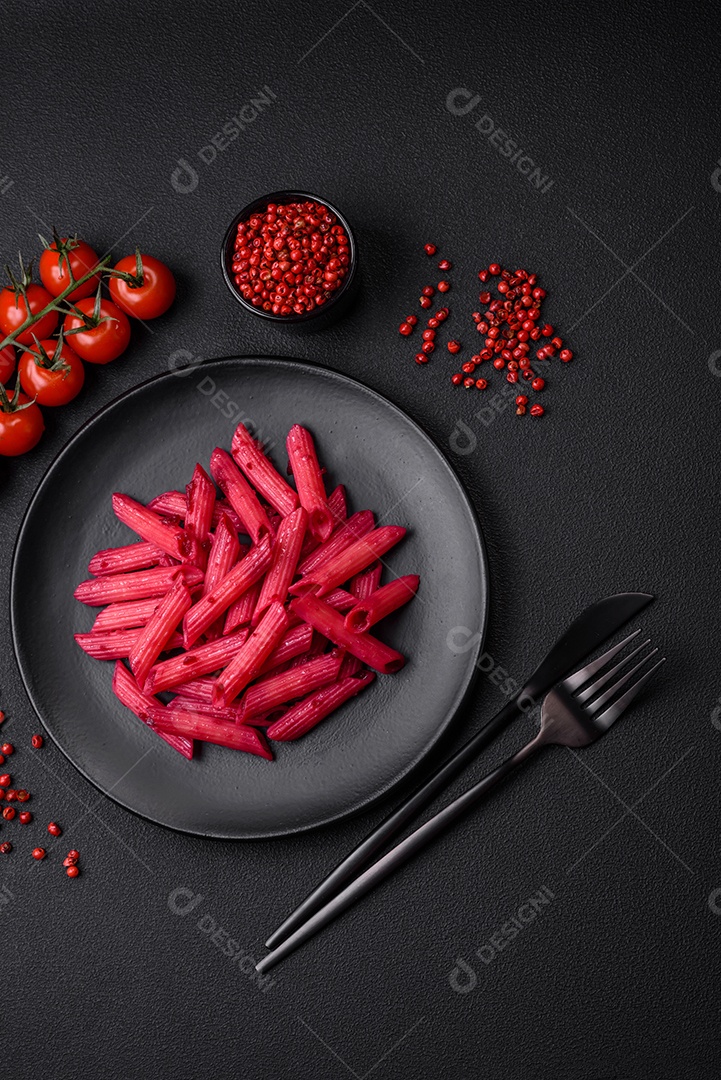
x: 149, y: 442
x: 618, y: 487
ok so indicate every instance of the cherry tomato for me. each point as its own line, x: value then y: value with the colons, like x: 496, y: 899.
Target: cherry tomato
x: 53, y: 267
x: 50, y: 387
x: 150, y: 299
x: 7, y: 363
x: 105, y: 342
x: 14, y: 314
x: 20, y: 430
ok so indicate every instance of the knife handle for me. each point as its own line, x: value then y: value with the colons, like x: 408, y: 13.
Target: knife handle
x: 377, y: 840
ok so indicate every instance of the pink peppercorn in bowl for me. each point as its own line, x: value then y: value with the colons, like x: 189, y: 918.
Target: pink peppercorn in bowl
x: 290, y: 257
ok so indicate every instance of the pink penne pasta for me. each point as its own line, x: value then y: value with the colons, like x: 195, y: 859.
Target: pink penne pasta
x: 240, y: 495
x: 223, y: 555
x: 357, y: 526
x: 365, y: 583
x: 376, y: 654
x: 191, y: 665
x: 339, y: 599
x: 123, y: 560
x: 155, y: 635
x: 275, y: 690
x: 241, y: 612
x: 247, y: 662
x: 310, y: 711
x: 339, y: 509
x: 284, y: 562
x: 351, y: 666
x: 200, y: 690
x: 129, y: 693
x: 309, y: 481
x: 195, y: 725
x: 200, y: 496
x: 174, y: 504
x: 125, y: 616
x: 149, y: 526
x: 231, y: 714
x: 349, y: 562
x: 116, y: 644
x: 117, y: 588
x: 382, y: 602
x: 216, y: 602
x: 296, y: 644
x: 261, y: 472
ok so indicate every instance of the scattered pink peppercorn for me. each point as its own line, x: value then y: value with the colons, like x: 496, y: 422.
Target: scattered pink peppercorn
x: 5, y: 779
x: 566, y: 355
x: 7, y: 748
x: 428, y: 346
x: 433, y: 323
x: 54, y: 829
x: 457, y: 379
x: 483, y: 276
x: 421, y: 358
x: 6, y: 848
x: 494, y: 269
x: 428, y: 335
x: 9, y: 813
x: 427, y: 290
x: 537, y: 410
x: 445, y: 264
x: 521, y: 410
x: 23, y: 795
x: 411, y: 319
x: 39, y: 853
x: 481, y: 384
x: 442, y: 314
x: 469, y: 382
x: 25, y: 817
x: 538, y: 383
x: 425, y: 301
x: 522, y: 399
x: 72, y: 871
x: 405, y: 329
x: 444, y: 286
x: 454, y: 346
x: 430, y: 249
x: 37, y: 741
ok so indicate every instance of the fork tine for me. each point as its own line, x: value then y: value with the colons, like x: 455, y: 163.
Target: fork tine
x: 572, y: 682
x: 593, y: 689
x: 613, y: 712
x: 594, y: 707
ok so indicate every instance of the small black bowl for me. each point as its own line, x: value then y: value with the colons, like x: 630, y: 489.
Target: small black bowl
x: 321, y: 316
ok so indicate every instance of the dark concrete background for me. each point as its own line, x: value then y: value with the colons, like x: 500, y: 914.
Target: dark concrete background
x: 617, y: 488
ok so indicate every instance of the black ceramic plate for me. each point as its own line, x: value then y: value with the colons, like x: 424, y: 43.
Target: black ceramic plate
x: 148, y: 441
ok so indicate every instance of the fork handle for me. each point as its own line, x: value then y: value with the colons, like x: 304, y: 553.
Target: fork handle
x: 380, y: 837
x: 399, y: 855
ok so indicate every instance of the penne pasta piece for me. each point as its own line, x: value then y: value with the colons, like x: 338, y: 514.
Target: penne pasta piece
x: 195, y: 725
x: 351, y: 666
x: 261, y: 472
x: 240, y: 495
x: 365, y: 583
x: 223, y: 555
x: 200, y: 497
x: 310, y: 711
x: 275, y: 690
x: 296, y: 644
x: 281, y: 571
x: 155, y: 635
x: 247, y: 662
x: 357, y: 526
x: 150, y: 526
x: 309, y: 481
x: 197, y: 689
x: 123, y: 560
x: 230, y: 714
x: 216, y: 602
x: 382, y: 602
x: 141, y: 585
x: 349, y: 562
x: 125, y: 616
x: 241, y: 612
x: 338, y: 508
x: 129, y: 693
x: 115, y: 644
x: 376, y: 654
x: 191, y: 665
x: 175, y: 504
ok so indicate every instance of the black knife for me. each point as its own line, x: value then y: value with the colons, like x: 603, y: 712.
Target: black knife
x: 585, y: 634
